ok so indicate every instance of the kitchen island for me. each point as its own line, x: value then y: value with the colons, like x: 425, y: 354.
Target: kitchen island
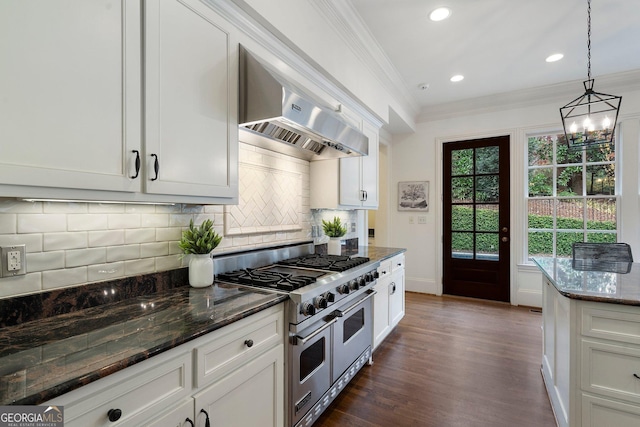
x: 591, y: 342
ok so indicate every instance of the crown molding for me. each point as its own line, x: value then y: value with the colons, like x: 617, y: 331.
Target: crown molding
x: 560, y: 93
x: 344, y: 18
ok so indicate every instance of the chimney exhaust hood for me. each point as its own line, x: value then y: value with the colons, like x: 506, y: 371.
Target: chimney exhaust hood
x: 276, y: 115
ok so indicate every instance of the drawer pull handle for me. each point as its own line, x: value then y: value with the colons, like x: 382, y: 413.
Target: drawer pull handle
x: 249, y: 343
x: 114, y: 414
x: 207, y: 423
x: 190, y: 422
x: 636, y: 375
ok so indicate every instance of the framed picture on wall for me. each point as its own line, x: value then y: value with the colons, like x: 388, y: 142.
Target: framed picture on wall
x: 413, y: 196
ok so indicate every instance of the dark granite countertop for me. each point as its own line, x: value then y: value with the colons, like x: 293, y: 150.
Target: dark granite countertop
x: 45, y: 357
x: 591, y: 283
x: 379, y: 253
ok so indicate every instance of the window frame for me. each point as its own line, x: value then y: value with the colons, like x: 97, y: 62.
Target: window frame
x: 554, y: 197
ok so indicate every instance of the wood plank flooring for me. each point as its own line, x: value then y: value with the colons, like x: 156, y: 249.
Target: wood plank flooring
x: 451, y: 362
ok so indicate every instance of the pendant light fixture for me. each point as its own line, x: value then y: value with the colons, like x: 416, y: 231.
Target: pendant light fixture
x: 590, y: 119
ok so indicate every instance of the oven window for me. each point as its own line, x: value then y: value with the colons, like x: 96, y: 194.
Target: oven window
x: 311, y: 358
x: 352, y: 325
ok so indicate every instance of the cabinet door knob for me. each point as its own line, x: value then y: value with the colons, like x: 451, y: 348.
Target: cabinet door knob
x: 114, y: 414
x: 156, y: 166
x: 248, y: 343
x: 137, y: 164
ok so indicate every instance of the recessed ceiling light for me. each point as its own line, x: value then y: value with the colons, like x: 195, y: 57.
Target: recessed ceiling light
x: 555, y: 57
x: 457, y: 78
x: 439, y: 14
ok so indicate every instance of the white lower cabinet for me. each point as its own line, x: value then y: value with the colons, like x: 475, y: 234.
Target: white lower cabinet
x: 235, y: 374
x: 388, y: 302
x: 591, y: 361
x: 250, y: 396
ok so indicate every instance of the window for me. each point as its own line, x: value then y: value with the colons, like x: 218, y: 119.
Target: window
x: 571, y: 196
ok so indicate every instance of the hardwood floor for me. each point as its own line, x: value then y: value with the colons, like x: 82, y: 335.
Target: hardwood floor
x: 451, y: 362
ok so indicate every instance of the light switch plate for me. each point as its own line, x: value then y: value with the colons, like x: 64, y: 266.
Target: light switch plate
x: 13, y: 260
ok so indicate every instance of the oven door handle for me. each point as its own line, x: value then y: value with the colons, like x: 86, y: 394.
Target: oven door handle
x: 303, y: 340
x: 340, y: 313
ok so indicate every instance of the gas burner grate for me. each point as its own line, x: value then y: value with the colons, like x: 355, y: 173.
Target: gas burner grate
x: 326, y: 262
x: 267, y: 279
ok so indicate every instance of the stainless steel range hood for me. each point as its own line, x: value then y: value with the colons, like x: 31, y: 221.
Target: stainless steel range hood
x: 276, y: 115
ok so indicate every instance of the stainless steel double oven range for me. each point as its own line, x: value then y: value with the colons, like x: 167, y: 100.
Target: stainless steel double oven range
x: 329, y: 313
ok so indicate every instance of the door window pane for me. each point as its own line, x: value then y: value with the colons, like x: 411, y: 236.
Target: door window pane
x: 487, y: 217
x: 487, y: 188
x: 487, y: 246
x: 487, y: 160
x: 462, y: 245
x: 462, y: 218
x: 462, y: 162
x: 352, y: 325
x: 462, y: 189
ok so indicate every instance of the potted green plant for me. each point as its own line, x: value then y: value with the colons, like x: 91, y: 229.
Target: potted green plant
x: 198, y: 242
x: 334, y: 230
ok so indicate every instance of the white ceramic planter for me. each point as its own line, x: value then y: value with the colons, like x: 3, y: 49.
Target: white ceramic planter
x: 334, y: 246
x: 201, y: 270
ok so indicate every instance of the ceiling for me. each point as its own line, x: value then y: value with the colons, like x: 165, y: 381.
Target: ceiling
x: 501, y: 45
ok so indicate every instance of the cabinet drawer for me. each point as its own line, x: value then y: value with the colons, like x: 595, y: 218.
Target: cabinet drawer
x: 236, y: 344
x: 138, y: 392
x: 598, y: 412
x: 620, y: 325
x: 384, y: 269
x: 397, y: 262
x: 609, y: 370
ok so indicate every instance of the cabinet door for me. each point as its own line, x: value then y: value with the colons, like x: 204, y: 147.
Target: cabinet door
x: 70, y: 93
x: 252, y: 395
x: 369, y: 169
x: 350, y: 189
x: 191, y: 133
x: 396, y: 297
x: 176, y: 417
x: 381, y: 311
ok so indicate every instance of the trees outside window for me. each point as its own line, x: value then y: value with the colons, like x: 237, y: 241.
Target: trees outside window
x: 571, y: 196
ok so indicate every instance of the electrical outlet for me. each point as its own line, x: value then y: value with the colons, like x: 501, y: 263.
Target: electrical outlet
x: 14, y: 260
x: 422, y: 219
x: 353, y: 227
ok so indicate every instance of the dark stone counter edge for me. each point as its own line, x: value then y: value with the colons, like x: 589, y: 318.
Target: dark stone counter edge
x: 587, y: 297
x: 75, y: 383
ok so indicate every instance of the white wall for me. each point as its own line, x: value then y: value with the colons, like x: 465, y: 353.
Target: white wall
x: 418, y: 156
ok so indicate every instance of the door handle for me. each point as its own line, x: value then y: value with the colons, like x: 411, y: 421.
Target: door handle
x: 303, y: 340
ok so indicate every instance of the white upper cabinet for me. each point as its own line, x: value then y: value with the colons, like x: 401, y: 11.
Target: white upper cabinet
x: 347, y: 183
x: 191, y: 100
x: 70, y: 93
x: 72, y: 117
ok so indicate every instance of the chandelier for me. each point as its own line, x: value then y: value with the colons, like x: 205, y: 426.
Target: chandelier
x: 590, y: 119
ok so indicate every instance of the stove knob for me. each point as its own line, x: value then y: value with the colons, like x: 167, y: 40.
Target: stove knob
x: 343, y: 289
x: 308, y: 309
x: 330, y: 297
x: 355, y: 284
x: 363, y: 281
x: 376, y: 275
x: 368, y: 277
x: 320, y: 302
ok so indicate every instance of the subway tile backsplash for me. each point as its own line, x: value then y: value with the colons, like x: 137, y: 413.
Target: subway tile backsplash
x: 70, y: 244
